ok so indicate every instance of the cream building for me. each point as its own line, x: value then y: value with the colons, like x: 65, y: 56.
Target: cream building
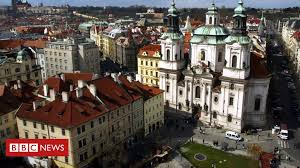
x: 148, y: 59
x: 69, y: 55
x: 21, y: 67
x: 8, y: 127
x: 100, y: 117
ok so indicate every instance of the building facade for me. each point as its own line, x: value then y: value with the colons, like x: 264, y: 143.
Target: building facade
x: 8, y: 125
x: 21, y: 66
x: 222, y: 84
x: 148, y: 59
x: 100, y: 117
x: 69, y: 55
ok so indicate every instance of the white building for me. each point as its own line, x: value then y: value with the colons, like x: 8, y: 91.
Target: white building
x: 225, y: 84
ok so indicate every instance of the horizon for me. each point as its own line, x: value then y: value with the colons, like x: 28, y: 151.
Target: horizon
x: 166, y: 3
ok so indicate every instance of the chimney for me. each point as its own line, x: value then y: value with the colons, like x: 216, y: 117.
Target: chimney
x: 19, y: 84
x: 52, y: 94
x: 71, y: 87
x: 6, y: 84
x: 45, y: 89
x: 114, y: 76
x: 80, y: 83
x: 79, y: 92
x: 62, y: 76
x: 65, y: 97
x: 34, y: 105
x: 93, y: 90
x: 95, y: 76
x: 15, y: 86
x: 129, y: 78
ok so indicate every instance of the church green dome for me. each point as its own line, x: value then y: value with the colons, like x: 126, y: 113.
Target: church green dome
x: 240, y: 10
x: 211, y: 30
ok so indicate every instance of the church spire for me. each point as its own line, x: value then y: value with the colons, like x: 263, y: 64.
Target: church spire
x: 212, y: 15
x: 240, y: 19
x: 173, y: 19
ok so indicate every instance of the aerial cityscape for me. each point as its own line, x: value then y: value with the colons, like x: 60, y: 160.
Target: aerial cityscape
x: 150, y: 84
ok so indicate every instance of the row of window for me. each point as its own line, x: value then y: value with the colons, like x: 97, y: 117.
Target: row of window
x: 5, y: 132
x: 52, y: 129
x: 56, y: 60
x: 92, y: 124
x: 150, y: 64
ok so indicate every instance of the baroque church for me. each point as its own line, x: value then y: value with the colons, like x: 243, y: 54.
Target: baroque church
x: 225, y: 84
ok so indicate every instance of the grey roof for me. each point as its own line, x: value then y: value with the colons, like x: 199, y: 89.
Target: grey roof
x: 211, y: 30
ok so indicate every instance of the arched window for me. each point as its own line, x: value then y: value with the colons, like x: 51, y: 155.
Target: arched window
x: 179, y: 106
x: 210, y: 20
x: 168, y: 55
x: 220, y: 57
x: 215, y: 21
x: 234, y: 61
x: 197, y: 92
x: 175, y: 56
x: 180, y: 56
x: 214, y: 114
x: 203, y: 55
x: 257, y: 103
x: 229, y: 118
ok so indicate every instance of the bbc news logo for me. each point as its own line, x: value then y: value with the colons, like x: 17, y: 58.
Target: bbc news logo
x: 37, y: 147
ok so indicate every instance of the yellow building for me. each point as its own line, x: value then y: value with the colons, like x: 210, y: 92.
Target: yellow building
x: 9, y: 105
x: 148, y: 58
x: 153, y: 108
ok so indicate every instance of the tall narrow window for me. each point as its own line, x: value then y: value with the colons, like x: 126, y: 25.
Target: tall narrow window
x: 197, y: 92
x: 220, y: 57
x: 215, y: 21
x: 203, y: 55
x: 210, y: 20
x: 168, y: 55
x: 168, y: 87
x: 229, y: 118
x: 257, y: 103
x: 231, y: 101
x: 234, y: 61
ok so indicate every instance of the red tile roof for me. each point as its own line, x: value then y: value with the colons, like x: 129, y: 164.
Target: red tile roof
x: 25, y: 93
x: 258, y: 67
x: 265, y: 159
x: 187, y: 38
x: 6, y: 44
x: 296, y: 35
x: 65, y: 114
x: 74, y: 77
x: 55, y: 83
x: 8, y: 102
x: 151, y: 49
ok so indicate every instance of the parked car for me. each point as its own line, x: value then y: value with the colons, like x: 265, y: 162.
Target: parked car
x: 233, y: 136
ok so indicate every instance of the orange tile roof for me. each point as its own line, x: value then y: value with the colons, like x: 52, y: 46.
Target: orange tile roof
x: 151, y: 49
x: 258, y: 67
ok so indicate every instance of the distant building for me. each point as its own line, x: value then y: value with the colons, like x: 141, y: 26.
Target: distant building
x: 70, y: 55
x: 150, y: 18
x: 148, y: 58
x: 126, y: 53
x: 20, y: 66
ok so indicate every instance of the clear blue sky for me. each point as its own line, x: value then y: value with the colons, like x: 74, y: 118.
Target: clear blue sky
x: 164, y: 3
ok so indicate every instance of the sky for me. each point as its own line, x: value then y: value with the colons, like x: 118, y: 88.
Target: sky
x: 165, y: 3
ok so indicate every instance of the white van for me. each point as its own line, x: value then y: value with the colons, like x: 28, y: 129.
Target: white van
x: 233, y: 135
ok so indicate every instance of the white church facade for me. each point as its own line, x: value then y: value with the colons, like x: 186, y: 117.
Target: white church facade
x: 224, y: 83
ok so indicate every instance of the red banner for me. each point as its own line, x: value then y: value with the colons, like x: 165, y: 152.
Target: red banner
x: 37, y: 147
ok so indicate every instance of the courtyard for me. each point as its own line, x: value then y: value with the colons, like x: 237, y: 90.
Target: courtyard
x: 215, y: 157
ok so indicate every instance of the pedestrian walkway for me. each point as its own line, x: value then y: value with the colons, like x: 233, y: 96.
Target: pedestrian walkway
x: 283, y: 144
